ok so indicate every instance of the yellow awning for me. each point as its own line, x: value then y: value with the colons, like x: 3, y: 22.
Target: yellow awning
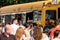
x: 22, y: 7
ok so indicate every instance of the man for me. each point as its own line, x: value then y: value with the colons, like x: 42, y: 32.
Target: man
x: 7, y: 34
x: 57, y: 35
x: 14, y: 26
x: 53, y: 30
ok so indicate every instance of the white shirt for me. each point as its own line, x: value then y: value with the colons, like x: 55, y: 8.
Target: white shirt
x: 56, y: 39
x: 14, y: 27
x: 45, y: 37
x: 3, y: 29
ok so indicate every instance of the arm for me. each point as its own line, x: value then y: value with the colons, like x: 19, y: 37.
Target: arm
x: 23, y: 37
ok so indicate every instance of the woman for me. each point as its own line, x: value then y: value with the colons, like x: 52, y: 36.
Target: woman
x: 38, y: 33
x: 20, y: 34
x: 27, y: 31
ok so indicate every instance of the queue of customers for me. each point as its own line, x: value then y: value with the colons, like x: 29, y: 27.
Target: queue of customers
x: 17, y: 31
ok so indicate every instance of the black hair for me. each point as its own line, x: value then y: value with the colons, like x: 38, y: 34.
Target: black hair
x: 34, y: 24
x: 28, y: 24
x: 14, y: 19
x: 19, y: 21
x: 56, y: 33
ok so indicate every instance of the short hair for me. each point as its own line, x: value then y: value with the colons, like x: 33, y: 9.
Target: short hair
x: 14, y: 19
x: 56, y: 33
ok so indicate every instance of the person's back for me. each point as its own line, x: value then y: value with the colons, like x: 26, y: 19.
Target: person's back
x: 20, y: 34
x: 39, y: 34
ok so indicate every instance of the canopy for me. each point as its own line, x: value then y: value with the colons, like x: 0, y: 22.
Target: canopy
x: 22, y: 7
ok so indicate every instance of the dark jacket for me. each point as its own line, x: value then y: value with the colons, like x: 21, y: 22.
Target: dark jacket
x: 4, y: 37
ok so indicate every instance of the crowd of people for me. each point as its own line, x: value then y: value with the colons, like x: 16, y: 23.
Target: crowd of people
x: 30, y: 31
